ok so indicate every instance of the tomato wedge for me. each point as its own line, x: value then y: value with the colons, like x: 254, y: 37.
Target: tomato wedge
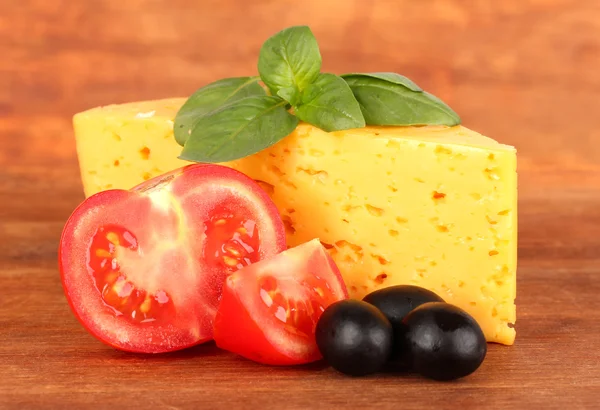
x: 143, y: 269
x: 270, y: 309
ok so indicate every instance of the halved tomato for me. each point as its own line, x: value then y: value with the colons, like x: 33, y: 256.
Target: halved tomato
x: 143, y: 269
x: 270, y: 309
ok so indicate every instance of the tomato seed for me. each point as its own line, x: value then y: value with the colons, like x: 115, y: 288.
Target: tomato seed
x: 113, y: 238
x: 232, y: 250
x: 145, y: 306
x: 120, y: 295
x: 103, y: 253
x: 229, y: 261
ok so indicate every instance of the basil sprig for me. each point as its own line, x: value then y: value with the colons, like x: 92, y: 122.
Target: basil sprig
x: 210, y: 98
x: 391, y: 99
x: 329, y: 104
x: 239, y: 129
x: 236, y: 117
x: 290, y: 61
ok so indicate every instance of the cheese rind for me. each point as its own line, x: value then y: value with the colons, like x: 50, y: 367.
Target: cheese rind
x: 430, y: 206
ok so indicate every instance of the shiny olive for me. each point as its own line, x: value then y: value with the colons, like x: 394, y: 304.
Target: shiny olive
x: 354, y: 337
x: 443, y: 342
x: 395, y: 302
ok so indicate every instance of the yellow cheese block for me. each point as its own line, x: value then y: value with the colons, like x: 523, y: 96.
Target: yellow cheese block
x: 429, y: 206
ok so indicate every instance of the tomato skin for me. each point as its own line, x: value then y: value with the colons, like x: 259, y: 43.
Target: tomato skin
x: 236, y: 331
x: 66, y: 244
x: 243, y: 326
x: 194, y: 192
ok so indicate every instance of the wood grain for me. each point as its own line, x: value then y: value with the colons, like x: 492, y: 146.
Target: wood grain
x: 524, y: 72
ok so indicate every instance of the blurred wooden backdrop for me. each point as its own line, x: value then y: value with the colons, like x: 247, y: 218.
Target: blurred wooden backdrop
x: 526, y: 72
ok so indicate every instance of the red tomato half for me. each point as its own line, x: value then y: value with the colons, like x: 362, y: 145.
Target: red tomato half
x: 270, y: 309
x: 143, y: 269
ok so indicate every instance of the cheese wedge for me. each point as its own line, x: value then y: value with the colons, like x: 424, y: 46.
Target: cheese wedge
x: 429, y: 206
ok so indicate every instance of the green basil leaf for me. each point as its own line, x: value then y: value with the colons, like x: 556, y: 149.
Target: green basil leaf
x: 290, y: 94
x: 386, y: 103
x: 238, y: 129
x: 290, y: 58
x: 391, y: 77
x: 210, y: 98
x: 328, y: 103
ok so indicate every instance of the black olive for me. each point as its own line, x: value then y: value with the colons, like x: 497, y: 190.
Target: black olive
x: 395, y: 302
x: 354, y: 337
x: 443, y: 342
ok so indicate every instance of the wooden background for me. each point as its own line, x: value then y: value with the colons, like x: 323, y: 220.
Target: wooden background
x: 524, y: 72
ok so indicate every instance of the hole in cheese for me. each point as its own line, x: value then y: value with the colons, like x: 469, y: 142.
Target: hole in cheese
x: 440, y: 150
x: 373, y: 210
x: 289, y: 224
x: 381, y: 278
x: 348, y: 208
x: 319, y: 174
x: 289, y: 184
x: 346, y: 244
x: 490, y: 220
x: 438, y: 195
x: 268, y: 188
x: 275, y: 169
x: 380, y: 259
x: 145, y: 153
x: 491, y: 174
x: 327, y: 245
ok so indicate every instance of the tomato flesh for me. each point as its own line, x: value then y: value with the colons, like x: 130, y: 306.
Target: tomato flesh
x: 233, y: 242
x: 270, y: 309
x: 143, y: 270
x: 298, y: 316
x: 119, y: 294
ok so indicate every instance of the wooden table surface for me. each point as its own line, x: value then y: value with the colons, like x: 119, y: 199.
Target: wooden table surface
x: 524, y: 72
